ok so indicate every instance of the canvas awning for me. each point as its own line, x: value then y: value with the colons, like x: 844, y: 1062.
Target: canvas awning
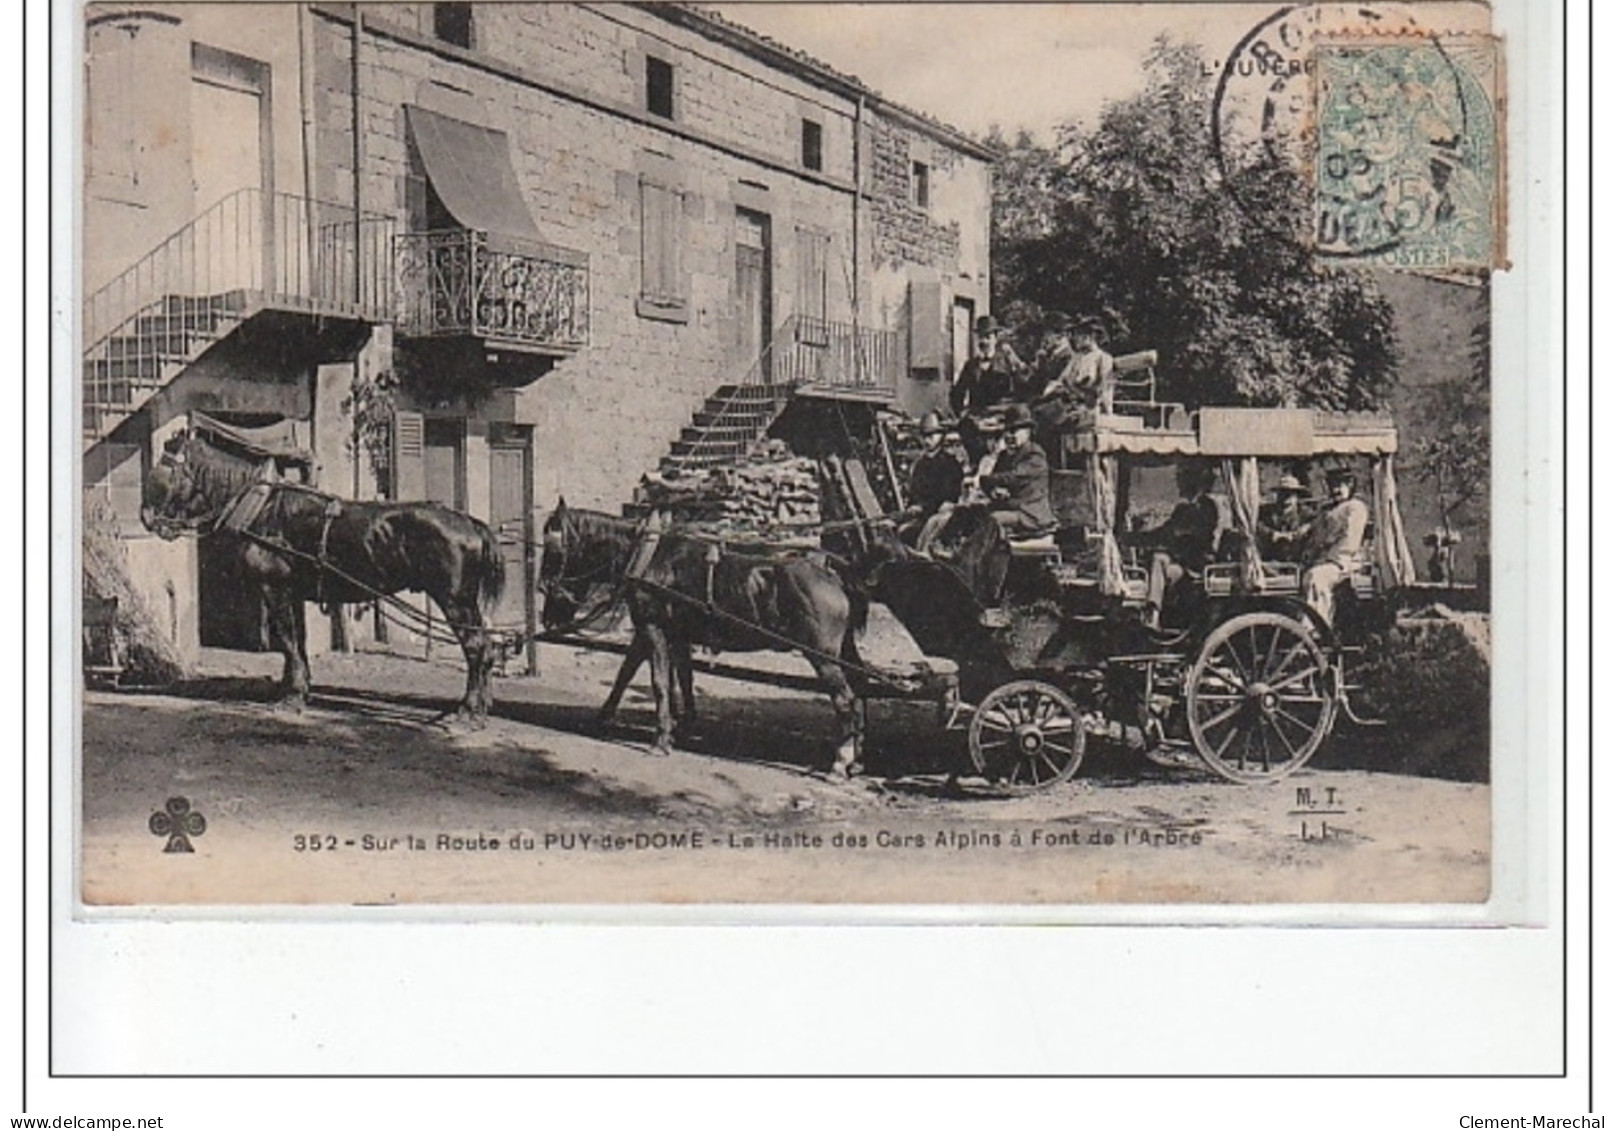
x: 470, y: 169
x: 282, y: 440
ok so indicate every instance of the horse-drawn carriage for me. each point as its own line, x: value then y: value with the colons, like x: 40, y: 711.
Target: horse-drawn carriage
x: 1239, y: 668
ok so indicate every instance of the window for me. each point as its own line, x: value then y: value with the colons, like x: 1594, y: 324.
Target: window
x: 659, y: 86
x: 920, y: 185
x: 812, y: 145
x: 452, y: 23
x: 661, y: 237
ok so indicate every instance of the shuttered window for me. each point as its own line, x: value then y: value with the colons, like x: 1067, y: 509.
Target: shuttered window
x: 812, y: 285
x: 663, y: 291
x: 409, y: 456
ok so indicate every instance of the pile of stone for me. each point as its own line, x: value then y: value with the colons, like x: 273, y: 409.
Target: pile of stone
x: 768, y: 494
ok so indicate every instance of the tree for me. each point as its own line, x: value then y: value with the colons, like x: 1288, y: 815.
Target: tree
x: 1136, y: 222
x: 1456, y: 456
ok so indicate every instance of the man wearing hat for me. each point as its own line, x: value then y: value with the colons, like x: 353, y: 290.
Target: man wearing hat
x: 1017, y: 491
x: 1334, y: 543
x: 993, y: 374
x: 1282, y: 525
x: 934, y: 483
x: 1018, y: 486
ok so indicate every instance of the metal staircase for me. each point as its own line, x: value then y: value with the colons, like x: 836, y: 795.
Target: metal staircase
x: 251, y: 251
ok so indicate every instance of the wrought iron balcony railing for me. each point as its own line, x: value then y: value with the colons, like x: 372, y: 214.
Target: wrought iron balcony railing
x: 470, y: 283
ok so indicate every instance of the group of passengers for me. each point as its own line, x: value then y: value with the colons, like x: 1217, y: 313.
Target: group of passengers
x: 1007, y: 471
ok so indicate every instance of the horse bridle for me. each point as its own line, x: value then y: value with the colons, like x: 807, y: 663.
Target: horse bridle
x: 205, y: 524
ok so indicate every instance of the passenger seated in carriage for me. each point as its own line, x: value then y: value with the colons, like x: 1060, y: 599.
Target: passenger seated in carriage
x: 1017, y: 492
x: 1281, y: 526
x: 934, y: 484
x: 1334, y: 543
x: 1184, y: 543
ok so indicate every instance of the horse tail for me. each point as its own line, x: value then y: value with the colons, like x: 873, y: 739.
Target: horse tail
x: 491, y: 583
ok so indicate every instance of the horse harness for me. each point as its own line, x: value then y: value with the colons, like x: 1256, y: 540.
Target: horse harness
x: 239, y: 515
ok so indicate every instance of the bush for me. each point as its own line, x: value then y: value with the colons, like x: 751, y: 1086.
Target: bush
x: 1429, y: 678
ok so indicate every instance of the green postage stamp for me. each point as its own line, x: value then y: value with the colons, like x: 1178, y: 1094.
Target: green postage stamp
x: 1408, y: 161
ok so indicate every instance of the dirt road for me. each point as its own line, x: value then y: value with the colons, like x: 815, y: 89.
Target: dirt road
x: 362, y: 798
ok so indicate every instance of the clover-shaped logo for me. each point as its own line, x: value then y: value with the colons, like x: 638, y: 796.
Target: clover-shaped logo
x: 179, y: 823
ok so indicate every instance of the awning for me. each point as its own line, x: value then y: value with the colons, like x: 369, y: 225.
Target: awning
x: 470, y: 170
x: 282, y: 440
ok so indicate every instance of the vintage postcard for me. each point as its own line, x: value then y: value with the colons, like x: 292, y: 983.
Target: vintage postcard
x: 555, y: 455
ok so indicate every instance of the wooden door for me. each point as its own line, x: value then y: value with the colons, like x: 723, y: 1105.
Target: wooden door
x: 753, y: 292
x: 964, y: 315
x: 510, y: 512
x: 230, y: 153
x: 444, y: 453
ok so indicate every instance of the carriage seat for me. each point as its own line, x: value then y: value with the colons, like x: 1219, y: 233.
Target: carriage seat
x: 1036, y: 546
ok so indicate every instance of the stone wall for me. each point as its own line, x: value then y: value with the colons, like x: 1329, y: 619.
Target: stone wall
x: 606, y: 415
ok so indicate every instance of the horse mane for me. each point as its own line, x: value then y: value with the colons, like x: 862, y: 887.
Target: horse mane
x: 220, y: 475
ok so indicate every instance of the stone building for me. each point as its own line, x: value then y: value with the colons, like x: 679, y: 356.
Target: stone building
x: 565, y: 244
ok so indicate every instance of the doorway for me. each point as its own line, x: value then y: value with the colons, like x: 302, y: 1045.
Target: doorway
x: 510, y: 514
x: 232, y: 171
x: 754, y: 291
x: 961, y: 336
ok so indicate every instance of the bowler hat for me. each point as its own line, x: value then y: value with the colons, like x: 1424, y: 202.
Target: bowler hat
x: 1340, y: 475
x: 1289, y: 484
x: 987, y: 324
x: 1058, y: 323
x: 931, y: 424
x: 1017, y: 416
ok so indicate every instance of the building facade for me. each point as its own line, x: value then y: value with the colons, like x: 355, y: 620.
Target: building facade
x: 543, y: 245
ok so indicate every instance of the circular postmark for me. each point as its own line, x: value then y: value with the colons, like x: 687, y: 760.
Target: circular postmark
x: 1265, y: 114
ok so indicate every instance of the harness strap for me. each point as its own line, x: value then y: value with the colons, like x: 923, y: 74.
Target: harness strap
x: 333, y: 507
x: 713, y: 555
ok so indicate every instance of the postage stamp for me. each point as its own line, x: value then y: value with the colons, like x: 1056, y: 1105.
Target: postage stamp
x: 556, y: 455
x: 1408, y: 163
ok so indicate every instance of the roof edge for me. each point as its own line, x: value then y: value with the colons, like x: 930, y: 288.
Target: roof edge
x: 803, y: 66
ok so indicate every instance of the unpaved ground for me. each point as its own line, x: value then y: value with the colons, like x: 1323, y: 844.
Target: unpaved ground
x: 742, y: 816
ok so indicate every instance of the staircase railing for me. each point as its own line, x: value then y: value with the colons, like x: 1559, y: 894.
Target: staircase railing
x: 252, y: 245
x: 840, y: 355
x: 814, y: 351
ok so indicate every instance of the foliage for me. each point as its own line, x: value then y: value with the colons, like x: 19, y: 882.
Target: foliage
x: 1134, y: 221
x: 372, y: 403
x: 1432, y: 685
x: 1456, y: 455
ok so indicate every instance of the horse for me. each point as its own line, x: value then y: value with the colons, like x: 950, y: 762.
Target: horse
x: 683, y: 591
x: 297, y: 544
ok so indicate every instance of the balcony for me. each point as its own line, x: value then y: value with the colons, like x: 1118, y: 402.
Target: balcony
x: 522, y: 295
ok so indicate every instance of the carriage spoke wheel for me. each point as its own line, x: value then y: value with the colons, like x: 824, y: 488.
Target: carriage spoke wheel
x: 1261, y: 697
x: 1027, y: 735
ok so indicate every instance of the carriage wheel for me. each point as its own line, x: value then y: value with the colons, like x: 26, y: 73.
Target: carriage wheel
x: 1261, y: 697
x: 1027, y: 734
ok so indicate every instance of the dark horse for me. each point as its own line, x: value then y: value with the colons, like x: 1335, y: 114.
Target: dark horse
x: 684, y: 592
x: 299, y: 545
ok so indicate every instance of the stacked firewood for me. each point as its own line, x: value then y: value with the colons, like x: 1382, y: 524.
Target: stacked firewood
x: 767, y: 494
